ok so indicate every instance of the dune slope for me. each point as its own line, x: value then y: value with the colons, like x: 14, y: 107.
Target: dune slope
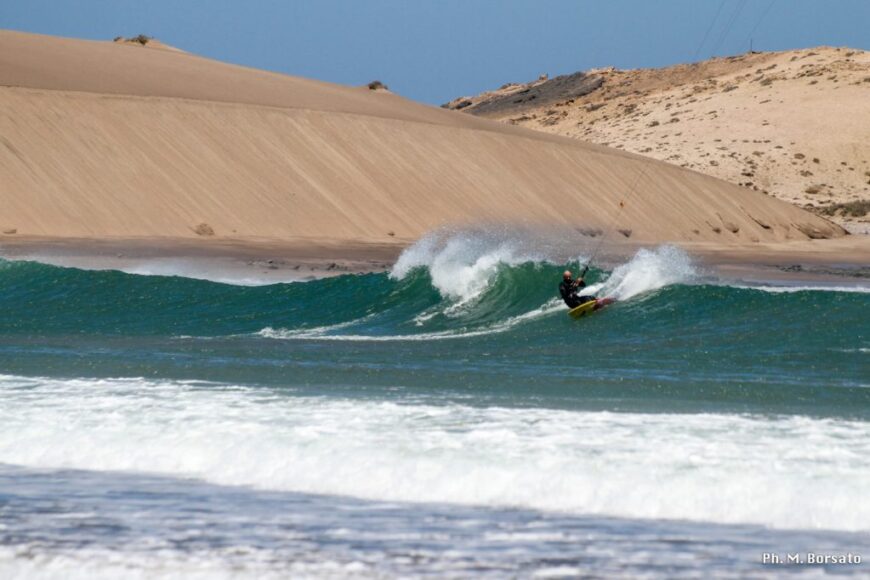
x: 794, y: 124
x: 102, y: 139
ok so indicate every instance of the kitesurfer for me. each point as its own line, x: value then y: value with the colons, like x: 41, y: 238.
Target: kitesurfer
x: 569, y: 289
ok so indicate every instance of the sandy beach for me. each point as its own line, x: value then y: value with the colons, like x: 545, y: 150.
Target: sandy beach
x: 265, y: 259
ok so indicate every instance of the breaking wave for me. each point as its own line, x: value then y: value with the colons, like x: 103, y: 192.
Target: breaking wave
x: 569, y: 461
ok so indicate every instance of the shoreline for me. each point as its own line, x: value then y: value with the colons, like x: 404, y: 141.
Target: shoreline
x: 845, y: 261
x: 263, y: 260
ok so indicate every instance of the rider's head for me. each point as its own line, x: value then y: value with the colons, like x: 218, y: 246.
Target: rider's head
x: 566, y: 275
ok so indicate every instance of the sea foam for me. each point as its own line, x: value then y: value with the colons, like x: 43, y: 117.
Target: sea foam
x: 787, y: 472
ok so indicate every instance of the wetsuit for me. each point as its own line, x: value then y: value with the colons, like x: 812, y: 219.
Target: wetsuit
x: 568, y: 290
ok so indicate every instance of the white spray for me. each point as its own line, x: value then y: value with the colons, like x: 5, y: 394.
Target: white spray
x: 647, y: 271
x: 463, y: 265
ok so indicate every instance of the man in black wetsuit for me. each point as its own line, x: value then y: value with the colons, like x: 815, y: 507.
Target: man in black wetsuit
x: 569, y: 288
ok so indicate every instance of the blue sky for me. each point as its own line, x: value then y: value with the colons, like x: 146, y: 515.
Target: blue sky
x: 435, y: 51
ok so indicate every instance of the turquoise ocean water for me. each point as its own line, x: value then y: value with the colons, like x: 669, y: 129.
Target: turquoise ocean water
x: 446, y: 419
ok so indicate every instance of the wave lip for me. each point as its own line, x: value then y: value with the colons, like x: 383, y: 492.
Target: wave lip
x: 462, y: 265
x: 649, y: 270
x: 706, y: 467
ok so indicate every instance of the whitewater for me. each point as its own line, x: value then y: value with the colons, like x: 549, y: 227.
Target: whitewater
x: 416, y: 452
x: 446, y: 417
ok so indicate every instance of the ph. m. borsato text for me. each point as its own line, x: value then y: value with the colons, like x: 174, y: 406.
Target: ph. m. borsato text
x: 810, y: 558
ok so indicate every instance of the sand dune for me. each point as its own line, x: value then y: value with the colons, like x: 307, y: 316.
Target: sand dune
x: 794, y: 124
x: 102, y: 139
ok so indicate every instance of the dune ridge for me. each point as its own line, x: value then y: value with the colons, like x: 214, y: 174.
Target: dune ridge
x: 102, y: 140
x: 794, y: 124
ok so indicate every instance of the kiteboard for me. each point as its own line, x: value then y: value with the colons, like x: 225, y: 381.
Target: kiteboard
x: 589, y: 307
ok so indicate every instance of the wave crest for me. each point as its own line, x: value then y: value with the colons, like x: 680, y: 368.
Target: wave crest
x: 462, y: 265
x: 647, y: 271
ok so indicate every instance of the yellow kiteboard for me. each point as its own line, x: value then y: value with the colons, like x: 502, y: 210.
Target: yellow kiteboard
x: 583, y: 309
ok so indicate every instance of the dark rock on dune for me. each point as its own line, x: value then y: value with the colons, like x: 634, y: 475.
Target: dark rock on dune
x: 549, y: 92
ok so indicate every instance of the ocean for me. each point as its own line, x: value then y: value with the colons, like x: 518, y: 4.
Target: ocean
x: 443, y: 419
